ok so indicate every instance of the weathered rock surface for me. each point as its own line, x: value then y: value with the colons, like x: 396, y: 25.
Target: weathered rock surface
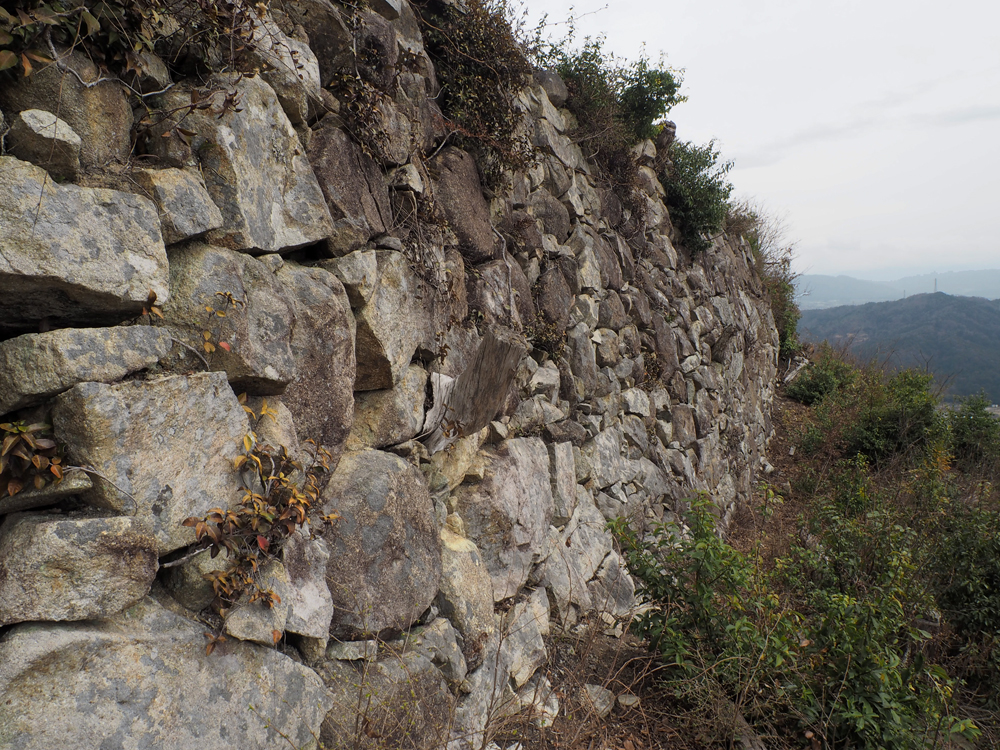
x: 390, y: 417
x: 86, y: 256
x: 466, y: 596
x: 46, y: 141
x: 385, y: 553
x: 35, y: 366
x: 509, y: 512
x: 98, y: 114
x: 55, y: 567
x: 353, y: 187
x: 256, y: 315
x: 310, y: 606
x: 185, y: 207
x: 255, y: 169
x: 459, y: 193
x: 142, y: 679
x: 402, y: 701
x: 321, y: 393
x: 165, y: 447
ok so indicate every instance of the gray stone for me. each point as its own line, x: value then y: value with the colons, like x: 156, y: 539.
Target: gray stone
x: 57, y: 568
x: 390, y: 417
x: 256, y: 326
x: 390, y: 326
x: 352, y: 651
x: 523, y: 629
x: 86, y: 255
x: 606, y: 461
x: 389, y: 9
x: 169, y: 443
x: 607, y: 347
x: 459, y: 194
x: 353, y: 187
x: 554, y: 87
x: 509, y: 512
x: 564, y: 487
x: 385, y: 552
x: 438, y: 642
x: 684, y: 429
x: 598, y: 699
x: 36, y: 366
x: 401, y: 701
x: 612, y: 313
x: 310, y: 606
x: 612, y: 590
x: 321, y: 394
x: 289, y: 66
x: 255, y: 169
x: 256, y: 621
x: 186, y: 209
x: 329, y: 37
x: 46, y: 141
x: 581, y: 548
x: 551, y: 212
x: 358, y: 272
x: 637, y: 402
x: 187, y: 583
x: 583, y: 358
x: 143, y: 679
x: 466, y: 596
x: 30, y: 498
x: 99, y: 114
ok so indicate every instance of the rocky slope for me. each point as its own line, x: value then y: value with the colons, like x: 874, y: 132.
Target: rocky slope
x: 495, y: 376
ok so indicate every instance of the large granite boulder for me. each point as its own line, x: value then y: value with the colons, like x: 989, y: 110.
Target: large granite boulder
x: 459, y: 194
x: 353, y: 187
x: 392, y: 416
x: 385, y: 553
x: 402, y: 702
x: 321, y: 393
x: 72, y: 255
x: 508, y: 513
x: 99, y: 114
x: 36, y: 366
x: 256, y: 315
x: 254, y: 165
x: 163, y: 448
x: 143, y: 679
x: 55, y: 567
x: 186, y: 209
x: 47, y: 141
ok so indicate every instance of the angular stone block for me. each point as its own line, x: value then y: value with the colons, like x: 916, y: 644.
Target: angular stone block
x: 385, y: 553
x: 186, y: 209
x: 143, y: 679
x: 169, y: 443
x: 46, y: 141
x: 72, y: 255
x: 36, y: 366
x: 58, y: 568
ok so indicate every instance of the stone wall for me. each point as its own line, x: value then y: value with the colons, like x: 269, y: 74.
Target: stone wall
x: 355, y: 294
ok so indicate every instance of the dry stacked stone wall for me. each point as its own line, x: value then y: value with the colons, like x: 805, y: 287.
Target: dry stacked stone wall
x: 355, y: 291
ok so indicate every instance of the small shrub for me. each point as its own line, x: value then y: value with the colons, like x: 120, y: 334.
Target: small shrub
x: 975, y: 432
x: 28, y: 455
x: 615, y: 105
x: 278, y: 494
x: 823, y: 646
x: 825, y: 374
x: 697, y: 192
x: 482, y: 69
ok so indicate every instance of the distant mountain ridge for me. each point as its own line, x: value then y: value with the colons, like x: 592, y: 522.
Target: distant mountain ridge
x: 816, y: 291
x: 956, y: 338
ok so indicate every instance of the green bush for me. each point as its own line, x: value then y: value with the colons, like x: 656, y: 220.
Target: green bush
x: 697, y: 192
x: 825, y: 644
x: 482, y: 69
x: 975, y: 432
x: 827, y: 372
x: 615, y: 105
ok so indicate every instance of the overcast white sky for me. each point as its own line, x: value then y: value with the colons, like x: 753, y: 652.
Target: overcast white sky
x: 872, y: 125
